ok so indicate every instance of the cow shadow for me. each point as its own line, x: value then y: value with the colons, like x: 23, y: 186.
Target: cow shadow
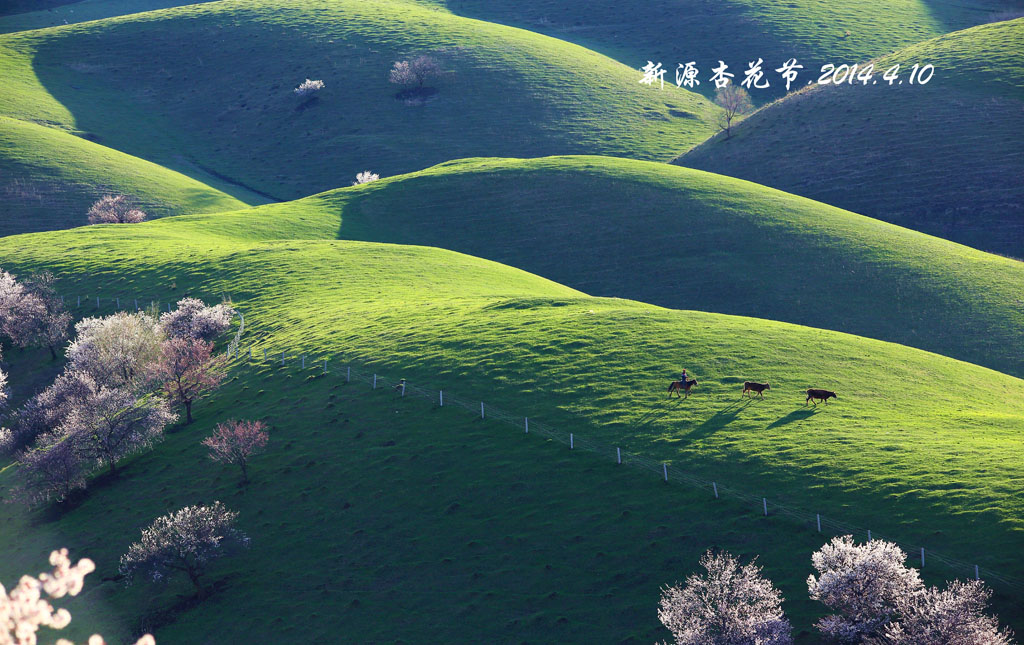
x: 719, y: 419
x: 795, y: 415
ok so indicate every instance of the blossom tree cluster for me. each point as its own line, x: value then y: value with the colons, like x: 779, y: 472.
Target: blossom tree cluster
x: 25, y: 609
x: 876, y: 598
x: 114, y: 398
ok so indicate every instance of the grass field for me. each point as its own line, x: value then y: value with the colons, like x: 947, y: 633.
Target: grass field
x: 737, y: 31
x: 920, y: 447
x: 49, y: 178
x: 153, y: 85
x: 944, y: 158
x: 687, y: 239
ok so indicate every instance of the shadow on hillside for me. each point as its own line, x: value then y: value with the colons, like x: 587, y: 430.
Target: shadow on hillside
x: 719, y: 420
x: 158, y: 618
x: 657, y: 413
x: 795, y: 415
x: 55, y: 511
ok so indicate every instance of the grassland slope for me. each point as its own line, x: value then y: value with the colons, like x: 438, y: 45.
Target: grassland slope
x: 920, y: 446
x: 945, y: 158
x: 687, y: 239
x: 49, y: 178
x: 196, y: 88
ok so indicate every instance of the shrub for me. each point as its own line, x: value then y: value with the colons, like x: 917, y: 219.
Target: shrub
x: 186, y: 540
x: 115, y: 209
x: 730, y: 605
x: 309, y: 87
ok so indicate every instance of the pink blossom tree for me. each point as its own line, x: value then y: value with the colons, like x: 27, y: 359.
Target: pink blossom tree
x: 47, y: 410
x: 31, y: 313
x: 234, y: 442
x: 731, y: 604
x: 24, y: 609
x: 115, y: 209
x: 193, y: 319
x: 188, y: 371
x: 186, y: 540
x: 863, y: 583
x: 952, y: 616
x: 111, y: 424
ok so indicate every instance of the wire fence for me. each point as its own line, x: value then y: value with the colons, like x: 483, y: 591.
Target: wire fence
x: 575, y: 441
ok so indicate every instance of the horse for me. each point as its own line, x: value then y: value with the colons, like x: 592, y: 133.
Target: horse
x: 675, y: 386
x: 750, y: 386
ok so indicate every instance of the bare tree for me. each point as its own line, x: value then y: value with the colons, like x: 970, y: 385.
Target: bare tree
x: 114, y: 423
x: 863, y: 583
x: 952, y: 616
x: 731, y: 604
x: 115, y: 209
x: 116, y: 350
x: 234, y: 442
x: 188, y: 370
x: 734, y: 101
x: 194, y: 319
x: 186, y: 540
x: 422, y: 69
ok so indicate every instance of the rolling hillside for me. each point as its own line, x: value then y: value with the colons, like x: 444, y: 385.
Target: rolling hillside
x: 154, y: 85
x: 738, y: 31
x: 49, y: 178
x: 920, y: 447
x: 945, y: 158
x: 687, y: 239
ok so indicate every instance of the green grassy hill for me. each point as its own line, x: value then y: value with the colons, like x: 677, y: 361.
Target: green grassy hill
x: 687, y: 239
x: 920, y: 447
x: 738, y: 31
x: 155, y: 85
x: 49, y: 178
x: 945, y: 158
x: 30, y: 14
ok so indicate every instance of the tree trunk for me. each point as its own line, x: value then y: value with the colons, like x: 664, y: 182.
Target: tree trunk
x: 245, y: 474
x: 53, y: 352
x: 194, y: 577
x: 188, y: 412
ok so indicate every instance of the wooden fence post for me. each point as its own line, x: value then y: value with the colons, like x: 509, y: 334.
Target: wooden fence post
x: 714, y: 487
x: 526, y: 424
x: 618, y: 455
x: 664, y: 469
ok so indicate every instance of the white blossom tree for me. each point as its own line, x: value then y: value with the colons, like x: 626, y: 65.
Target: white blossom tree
x: 194, y: 319
x: 47, y: 410
x: 863, y: 583
x: 52, y: 469
x: 952, y: 616
x: 186, y: 540
x: 116, y: 350
x: 113, y: 423
x: 31, y: 313
x: 309, y: 87
x: 416, y: 72
x: 24, y: 609
x: 365, y: 177
x: 731, y: 604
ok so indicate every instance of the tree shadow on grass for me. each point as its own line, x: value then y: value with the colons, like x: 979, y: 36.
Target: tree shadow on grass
x: 656, y: 413
x: 719, y: 420
x: 795, y: 415
x: 158, y: 618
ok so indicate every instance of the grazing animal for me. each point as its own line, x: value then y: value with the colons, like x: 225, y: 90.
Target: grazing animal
x: 679, y: 385
x: 750, y: 386
x: 824, y: 395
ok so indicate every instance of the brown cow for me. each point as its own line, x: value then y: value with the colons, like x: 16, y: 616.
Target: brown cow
x: 824, y: 395
x: 750, y: 386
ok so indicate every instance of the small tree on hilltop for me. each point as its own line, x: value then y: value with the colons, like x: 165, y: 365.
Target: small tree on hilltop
x: 365, y: 177
x: 734, y: 101
x: 23, y: 611
x: 115, y: 209
x: 186, y: 540
x: 863, y: 583
x: 234, y: 442
x: 415, y: 73
x: 953, y: 616
x: 188, y: 371
x: 194, y: 319
x: 729, y: 605
x: 309, y: 87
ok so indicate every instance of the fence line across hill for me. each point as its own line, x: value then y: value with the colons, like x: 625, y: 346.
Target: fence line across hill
x: 530, y: 425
